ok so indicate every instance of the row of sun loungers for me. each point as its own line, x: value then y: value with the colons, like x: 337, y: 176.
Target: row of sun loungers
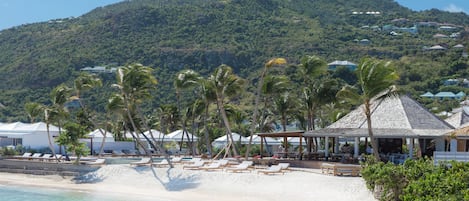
x: 39, y: 157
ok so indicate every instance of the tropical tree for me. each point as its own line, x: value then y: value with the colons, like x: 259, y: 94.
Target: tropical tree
x: 284, y: 105
x: 208, y: 96
x: 71, y: 139
x: 56, y: 112
x: 226, y: 84
x: 267, y: 66
x: 185, y: 79
x: 274, y: 86
x: 33, y: 110
x: 376, y: 79
x: 310, y: 69
x: 135, y: 83
x: 82, y: 83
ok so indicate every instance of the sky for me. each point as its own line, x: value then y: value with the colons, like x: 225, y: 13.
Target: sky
x: 18, y: 12
x: 446, y: 5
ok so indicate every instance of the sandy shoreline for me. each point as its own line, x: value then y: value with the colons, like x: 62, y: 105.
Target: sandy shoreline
x: 145, y: 183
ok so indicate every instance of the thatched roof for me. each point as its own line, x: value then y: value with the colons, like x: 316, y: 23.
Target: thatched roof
x: 391, y: 117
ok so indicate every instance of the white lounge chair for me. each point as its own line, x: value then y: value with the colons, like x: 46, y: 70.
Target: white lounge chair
x: 195, y: 165
x: 271, y: 170
x: 285, y: 166
x: 26, y: 155
x: 164, y: 162
x: 35, y: 156
x: 193, y: 160
x: 45, y: 157
x: 213, y: 166
x: 143, y: 161
x: 239, y: 168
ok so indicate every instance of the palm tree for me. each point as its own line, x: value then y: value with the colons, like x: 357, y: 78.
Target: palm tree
x: 267, y: 66
x: 376, y: 79
x: 83, y: 83
x: 274, y: 85
x: 284, y: 105
x: 135, y: 83
x: 33, y: 110
x: 226, y: 84
x: 208, y: 95
x: 185, y: 80
x: 56, y: 112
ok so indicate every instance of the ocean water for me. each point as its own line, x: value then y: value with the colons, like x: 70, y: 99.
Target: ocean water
x: 17, y: 193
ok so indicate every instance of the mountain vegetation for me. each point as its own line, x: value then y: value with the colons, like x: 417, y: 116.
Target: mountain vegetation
x: 176, y: 35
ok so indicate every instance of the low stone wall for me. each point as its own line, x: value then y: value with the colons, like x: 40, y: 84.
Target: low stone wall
x: 44, y: 168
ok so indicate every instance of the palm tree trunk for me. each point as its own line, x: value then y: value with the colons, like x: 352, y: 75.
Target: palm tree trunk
x: 256, y: 111
x: 227, y: 125
x: 209, y: 146
x: 374, y: 142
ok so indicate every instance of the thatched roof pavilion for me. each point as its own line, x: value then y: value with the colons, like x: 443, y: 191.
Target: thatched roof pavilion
x: 391, y: 118
x: 394, y: 117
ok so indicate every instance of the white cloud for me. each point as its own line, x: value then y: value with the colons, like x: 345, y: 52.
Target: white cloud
x: 453, y: 8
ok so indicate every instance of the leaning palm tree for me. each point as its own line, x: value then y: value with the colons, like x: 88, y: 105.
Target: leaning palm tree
x: 376, y: 79
x: 226, y: 84
x: 267, y: 66
x: 135, y: 83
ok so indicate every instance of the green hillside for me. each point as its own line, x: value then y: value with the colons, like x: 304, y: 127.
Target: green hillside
x: 171, y: 35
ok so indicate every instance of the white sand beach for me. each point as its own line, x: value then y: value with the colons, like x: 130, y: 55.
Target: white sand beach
x: 176, y: 184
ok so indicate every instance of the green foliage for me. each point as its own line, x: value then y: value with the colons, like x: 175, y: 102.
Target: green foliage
x: 418, y: 180
x: 70, y: 138
x: 200, y: 35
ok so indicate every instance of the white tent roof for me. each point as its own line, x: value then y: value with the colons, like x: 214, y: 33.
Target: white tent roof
x: 157, y: 134
x: 177, y: 136
x: 26, y: 128
x: 236, y: 138
x: 97, y: 134
x: 270, y: 140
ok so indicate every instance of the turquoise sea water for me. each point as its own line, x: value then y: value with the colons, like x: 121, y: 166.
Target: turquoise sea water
x: 16, y: 193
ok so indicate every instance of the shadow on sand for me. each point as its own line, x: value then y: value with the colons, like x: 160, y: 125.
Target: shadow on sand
x: 173, y: 182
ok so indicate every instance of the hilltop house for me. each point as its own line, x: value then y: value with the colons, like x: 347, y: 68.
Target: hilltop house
x: 446, y: 95
x: 335, y: 64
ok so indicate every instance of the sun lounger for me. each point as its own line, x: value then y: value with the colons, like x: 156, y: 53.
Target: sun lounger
x: 99, y: 161
x: 143, y: 161
x: 271, y: 170
x: 192, y: 161
x: 26, y: 155
x: 239, y: 168
x: 45, y: 157
x: 195, y: 165
x: 285, y: 166
x: 164, y: 162
x: 212, y: 166
x: 341, y: 169
x: 35, y: 156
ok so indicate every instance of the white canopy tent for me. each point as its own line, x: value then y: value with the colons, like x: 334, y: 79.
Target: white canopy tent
x: 270, y: 140
x: 97, y: 136
x: 33, y: 136
x: 222, y: 141
x: 178, y: 135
